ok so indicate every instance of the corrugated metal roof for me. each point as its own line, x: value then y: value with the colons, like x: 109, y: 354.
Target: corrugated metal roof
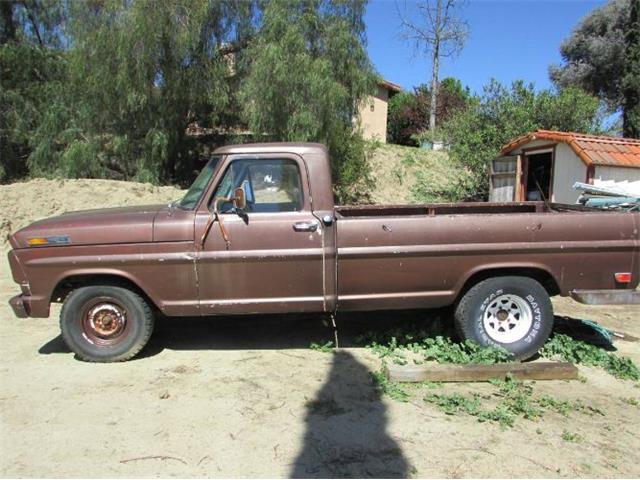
x: 592, y: 149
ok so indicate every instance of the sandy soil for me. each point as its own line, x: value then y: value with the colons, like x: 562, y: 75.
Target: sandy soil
x: 246, y: 397
x: 23, y: 202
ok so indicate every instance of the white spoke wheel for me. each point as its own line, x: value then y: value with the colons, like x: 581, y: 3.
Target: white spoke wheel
x: 514, y: 313
x: 507, y: 318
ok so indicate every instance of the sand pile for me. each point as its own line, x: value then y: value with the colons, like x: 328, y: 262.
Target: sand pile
x: 24, y: 202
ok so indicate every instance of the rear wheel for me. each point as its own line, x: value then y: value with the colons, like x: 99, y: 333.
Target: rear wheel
x: 514, y: 313
x: 105, y: 323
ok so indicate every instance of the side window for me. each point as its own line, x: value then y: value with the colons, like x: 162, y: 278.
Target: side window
x: 271, y: 185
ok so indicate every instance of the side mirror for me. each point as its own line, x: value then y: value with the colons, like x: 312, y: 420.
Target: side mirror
x: 239, y: 198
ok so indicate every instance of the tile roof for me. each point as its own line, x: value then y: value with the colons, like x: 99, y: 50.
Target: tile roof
x: 394, y: 87
x: 592, y: 149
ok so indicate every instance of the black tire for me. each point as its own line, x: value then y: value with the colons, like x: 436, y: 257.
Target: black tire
x: 480, y: 315
x: 105, y: 323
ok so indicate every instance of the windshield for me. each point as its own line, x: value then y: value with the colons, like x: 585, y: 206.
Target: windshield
x: 192, y: 197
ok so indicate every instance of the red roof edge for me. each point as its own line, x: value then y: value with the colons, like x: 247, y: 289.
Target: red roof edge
x: 571, y: 139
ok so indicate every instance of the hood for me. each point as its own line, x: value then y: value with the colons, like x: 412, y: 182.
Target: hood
x: 93, y: 227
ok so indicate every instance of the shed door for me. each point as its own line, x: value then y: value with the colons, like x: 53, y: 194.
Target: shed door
x: 504, y: 184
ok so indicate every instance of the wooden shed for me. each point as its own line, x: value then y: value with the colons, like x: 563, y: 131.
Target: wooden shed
x: 544, y: 165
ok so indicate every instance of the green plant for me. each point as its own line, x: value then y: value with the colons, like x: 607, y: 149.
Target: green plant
x: 324, y: 348
x: 386, y: 387
x: 438, y: 135
x: 577, y: 351
x: 630, y: 401
x: 439, y: 349
x: 445, y: 350
x: 568, y: 436
x: 515, y: 399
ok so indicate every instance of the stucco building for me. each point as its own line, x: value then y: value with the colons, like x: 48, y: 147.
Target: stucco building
x: 372, y: 114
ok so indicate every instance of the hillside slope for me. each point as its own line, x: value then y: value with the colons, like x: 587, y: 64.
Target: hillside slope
x: 396, y: 169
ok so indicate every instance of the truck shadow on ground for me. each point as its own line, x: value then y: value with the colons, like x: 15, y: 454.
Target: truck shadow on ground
x: 276, y: 332
x: 346, y: 429
x: 279, y: 332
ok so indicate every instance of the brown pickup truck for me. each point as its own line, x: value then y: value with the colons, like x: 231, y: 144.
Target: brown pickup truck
x: 258, y: 232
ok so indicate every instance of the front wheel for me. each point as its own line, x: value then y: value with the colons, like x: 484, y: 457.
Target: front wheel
x: 105, y: 323
x: 514, y: 313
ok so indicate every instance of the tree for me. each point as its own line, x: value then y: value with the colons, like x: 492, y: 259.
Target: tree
x: 33, y: 76
x: 142, y: 72
x: 631, y: 79
x: 501, y: 114
x: 409, y: 112
x: 107, y: 88
x: 599, y: 57
x: 307, y: 70
x: 439, y: 32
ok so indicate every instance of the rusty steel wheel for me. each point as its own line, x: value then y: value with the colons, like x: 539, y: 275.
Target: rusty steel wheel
x: 105, y: 323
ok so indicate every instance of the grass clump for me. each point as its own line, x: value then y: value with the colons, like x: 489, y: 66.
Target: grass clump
x: 577, y: 351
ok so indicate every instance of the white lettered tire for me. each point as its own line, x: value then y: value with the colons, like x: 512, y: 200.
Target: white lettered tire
x: 511, y: 312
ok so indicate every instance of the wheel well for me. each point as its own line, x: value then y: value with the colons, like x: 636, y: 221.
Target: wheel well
x: 541, y: 276
x: 67, y: 285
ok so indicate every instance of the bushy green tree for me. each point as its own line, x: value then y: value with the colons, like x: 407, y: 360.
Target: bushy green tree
x: 34, y: 106
x: 108, y: 88
x: 631, y: 79
x: 599, y: 58
x: 499, y: 115
x: 307, y: 70
x: 145, y: 70
x: 409, y: 112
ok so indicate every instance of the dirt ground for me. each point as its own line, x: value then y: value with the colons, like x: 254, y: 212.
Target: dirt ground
x: 246, y: 397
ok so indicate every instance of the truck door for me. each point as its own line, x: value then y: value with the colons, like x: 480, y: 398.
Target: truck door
x: 274, y: 259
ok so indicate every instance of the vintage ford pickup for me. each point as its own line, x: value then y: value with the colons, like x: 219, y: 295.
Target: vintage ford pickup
x: 258, y: 232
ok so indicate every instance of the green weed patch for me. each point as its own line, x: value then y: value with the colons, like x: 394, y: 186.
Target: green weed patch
x: 580, y: 352
x: 511, y: 400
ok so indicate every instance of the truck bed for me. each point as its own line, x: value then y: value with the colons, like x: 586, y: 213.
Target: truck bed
x: 470, y: 208
x: 424, y: 255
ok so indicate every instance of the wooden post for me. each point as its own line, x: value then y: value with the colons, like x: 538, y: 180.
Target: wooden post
x: 481, y: 373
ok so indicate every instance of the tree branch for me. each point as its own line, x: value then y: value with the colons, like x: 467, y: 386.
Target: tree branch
x: 34, y: 24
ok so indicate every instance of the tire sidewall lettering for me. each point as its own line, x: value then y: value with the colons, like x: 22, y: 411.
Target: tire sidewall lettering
x: 531, y: 301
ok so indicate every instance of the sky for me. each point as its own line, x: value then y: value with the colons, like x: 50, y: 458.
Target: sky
x: 508, y: 40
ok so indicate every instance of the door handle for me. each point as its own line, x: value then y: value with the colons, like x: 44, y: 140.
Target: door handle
x: 305, y: 226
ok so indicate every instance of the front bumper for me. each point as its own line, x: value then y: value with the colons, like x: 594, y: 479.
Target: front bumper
x: 607, y: 297
x: 20, y: 305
